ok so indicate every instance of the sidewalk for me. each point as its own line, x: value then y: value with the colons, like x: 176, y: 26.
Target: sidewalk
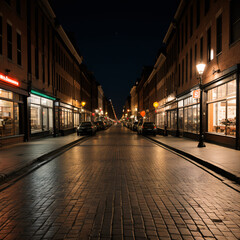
x: 223, y: 160
x: 18, y: 156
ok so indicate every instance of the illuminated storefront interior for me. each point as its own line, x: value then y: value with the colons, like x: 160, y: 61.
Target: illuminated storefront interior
x: 222, y: 109
x: 41, y: 114
x: 9, y: 113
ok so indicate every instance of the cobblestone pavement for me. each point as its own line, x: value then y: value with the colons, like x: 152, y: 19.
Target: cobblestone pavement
x: 118, y: 185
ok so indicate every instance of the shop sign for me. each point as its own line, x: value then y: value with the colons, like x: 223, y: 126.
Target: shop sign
x: 196, y: 94
x: 42, y: 95
x: 9, y: 80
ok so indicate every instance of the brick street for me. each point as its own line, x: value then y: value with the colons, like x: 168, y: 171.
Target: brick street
x: 118, y: 185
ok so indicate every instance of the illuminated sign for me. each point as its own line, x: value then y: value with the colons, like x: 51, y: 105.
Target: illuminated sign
x: 9, y: 80
x: 196, y: 94
x: 142, y: 113
x: 42, y: 95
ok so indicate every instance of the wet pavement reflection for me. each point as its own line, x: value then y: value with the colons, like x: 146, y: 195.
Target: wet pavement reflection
x: 118, y: 185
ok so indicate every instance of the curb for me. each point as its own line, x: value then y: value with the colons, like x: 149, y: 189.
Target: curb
x: 37, y: 162
x: 206, y: 164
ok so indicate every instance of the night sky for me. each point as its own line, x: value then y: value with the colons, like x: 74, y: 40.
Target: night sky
x: 116, y: 38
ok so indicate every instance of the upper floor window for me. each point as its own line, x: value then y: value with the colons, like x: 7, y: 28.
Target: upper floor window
x: 18, y: 7
x: 235, y: 20
x: 219, y: 34
x: 9, y: 41
x: 191, y: 21
x: 19, y: 49
x: 206, y: 6
x: 209, y: 51
x: 201, y: 49
x: 8, y: 2
x: 186, y: 29
x: 198, y: 12
x: 0, y: 34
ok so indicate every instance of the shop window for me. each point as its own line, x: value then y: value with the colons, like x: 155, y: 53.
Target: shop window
x: 45, y: 119
x: 180, y: 119
x: 222, y: 112
x: 36, y: 118
x: 6, y: 118
x: 50, y: 114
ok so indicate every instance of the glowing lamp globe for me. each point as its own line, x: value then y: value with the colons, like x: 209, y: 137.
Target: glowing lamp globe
x: 155, y: 104
x: 200, y: 68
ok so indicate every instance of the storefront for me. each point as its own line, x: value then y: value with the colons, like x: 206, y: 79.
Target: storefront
x: 11, y: 111
x: 222, y: 112
x: 41, y: 113
x: 188, y: 115
x: 171, y: 113
x: 69, y: 118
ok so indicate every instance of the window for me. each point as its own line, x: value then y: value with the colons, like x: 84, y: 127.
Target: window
x: 195, y: 56
x: 9, y: 41
x: 18, y: 7
x: 191, y: 21
x: 186, y: 29
x: 36, y: 48
x: 9, y: 115
x: 222, y: 109
x: 198, y: 13
x: 8, y: 2
x: 190, y: 64
x: 179, y: 74
x: 235, y: 20
x: 186, y: 67
x: 182, y: 35
x: 19, y: 49
x: 182, y: 71
x: 207, y: 6
x: 219, y: 35
x: 0, y: 34
x: 209, y: 57
x: 201, y: 49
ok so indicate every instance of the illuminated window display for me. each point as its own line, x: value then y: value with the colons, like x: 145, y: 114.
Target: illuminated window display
x: 9, y: 114
x: 188, y: 115
x: 222, y: 109
x: 41, y: 114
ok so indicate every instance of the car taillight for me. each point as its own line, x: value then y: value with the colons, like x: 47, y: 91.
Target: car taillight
x: 155, y: 127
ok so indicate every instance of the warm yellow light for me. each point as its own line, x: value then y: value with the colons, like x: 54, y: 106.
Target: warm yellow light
x: 200, y: 68
x: 83, y: 103
x: 155, y: 104
x: 106, y: 113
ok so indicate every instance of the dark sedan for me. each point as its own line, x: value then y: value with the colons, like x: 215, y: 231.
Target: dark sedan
x: 86, y: 128
x: 149, y: 128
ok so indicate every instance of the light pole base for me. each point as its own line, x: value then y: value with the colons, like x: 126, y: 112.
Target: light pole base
x: 201, y: 144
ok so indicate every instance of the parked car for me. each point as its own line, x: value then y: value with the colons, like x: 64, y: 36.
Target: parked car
x: 148, y: 128
x: 86, y: 128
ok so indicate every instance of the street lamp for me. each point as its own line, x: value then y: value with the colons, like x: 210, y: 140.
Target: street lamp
x: 200, y: 68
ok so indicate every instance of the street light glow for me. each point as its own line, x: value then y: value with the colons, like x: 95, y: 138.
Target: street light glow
x: 200, y: 68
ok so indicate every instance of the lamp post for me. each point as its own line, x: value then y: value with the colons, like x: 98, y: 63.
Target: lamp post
x: 200, y: 68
